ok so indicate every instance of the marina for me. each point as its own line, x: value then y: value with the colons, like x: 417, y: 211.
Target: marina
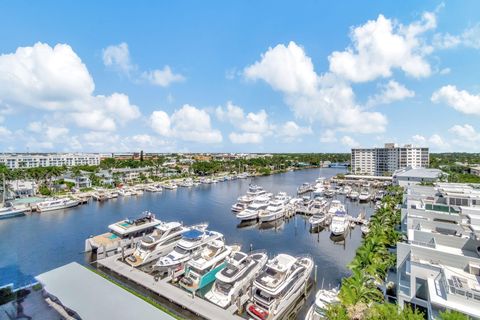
x: 209, y: 202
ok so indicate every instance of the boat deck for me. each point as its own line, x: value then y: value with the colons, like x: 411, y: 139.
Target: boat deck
x: 174, y: 294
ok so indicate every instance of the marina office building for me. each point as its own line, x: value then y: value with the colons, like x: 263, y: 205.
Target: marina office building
x: 32, y: 160
x: 438, y: 266
x: 382, y: 161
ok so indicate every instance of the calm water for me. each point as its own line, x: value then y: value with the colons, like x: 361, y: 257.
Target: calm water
x: 37, y: 243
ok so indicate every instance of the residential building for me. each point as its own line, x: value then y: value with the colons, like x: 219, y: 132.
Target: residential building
x: 81, y: 181
x: 475, y: 170
x: 32, y: 160
x: 409, y: 176
x: 386, y: 160
x: 438, y: 266
x: 22, y: 188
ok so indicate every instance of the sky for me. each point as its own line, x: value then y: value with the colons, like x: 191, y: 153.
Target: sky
x: 238, y: 76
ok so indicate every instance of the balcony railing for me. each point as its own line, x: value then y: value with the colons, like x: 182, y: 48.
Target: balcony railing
x: 464, y: 292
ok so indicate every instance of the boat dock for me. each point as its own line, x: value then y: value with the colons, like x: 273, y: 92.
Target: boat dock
x: 163, y: 288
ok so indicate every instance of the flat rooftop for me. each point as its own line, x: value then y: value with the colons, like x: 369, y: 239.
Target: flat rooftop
x: 93, y: 297
x: 419, y: 173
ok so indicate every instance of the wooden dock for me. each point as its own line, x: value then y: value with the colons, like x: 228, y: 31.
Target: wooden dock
x: 168, y: 291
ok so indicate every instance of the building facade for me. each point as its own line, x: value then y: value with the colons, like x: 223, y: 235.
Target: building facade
x: 26, y: 160
x: 382, y: 161
x: 438, y: 264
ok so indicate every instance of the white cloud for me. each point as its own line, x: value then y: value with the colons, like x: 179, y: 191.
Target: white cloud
x: 231, y: 113
x: 118, y: 56
x: 253, y: 126
x: 188, y: 123
x: 56, y: 80
x: 4, y: 132
x: 160, y: 123
x: 328, y: 136
x: 99, y: 141
x: 466, y: 133
x: 285, y: 68
x: 469, y: 38
x: 419, y: 140
x: 349, y: 142
x: 245, y: 137
x: 290, y: 131
x: 118, y: 105
x: 93, y: 120
x: 328, y: 98
x: 44, y: 77
x: 163, y: 77
x: 54, y: 133
x: 390, y: 92
x: 460, y: 100
x: 381, y: 45
x: 145, y: 142
x: 445, y: 71
x: 435, y: 141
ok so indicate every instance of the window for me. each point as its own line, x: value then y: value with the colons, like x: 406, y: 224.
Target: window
x: 421, y: 289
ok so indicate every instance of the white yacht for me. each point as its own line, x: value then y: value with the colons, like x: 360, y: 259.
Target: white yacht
x: 365, y: 228
x: 340, y: 223
x: 125, y: 192
x: 56, y: 204
x: 347, y: 190
x: 275, y: 209
x: 329, y: 193
x: 319, y: 182
x: 100, y: 195
x: 305, y: 187
x: 170, y: 186
x: 154, y: 188
x: 353, y: 195
x: 112, y: 194
x: 318, y: 192
x: 242, y: 203
x: 251, y: 212
x: 323, y: 299
x: 192, y: 242
x: 160, y: 241
x: 236, y: 278
x: 379, y: 195
x: 319, y: 211
x: 122, y: 233
x: 364, y: 196
x: 10, y: 212
x: 186, y: 183
x: 317, y: 206
x: 201, y: 270
x: 255, y: 191
x: 278, y: 286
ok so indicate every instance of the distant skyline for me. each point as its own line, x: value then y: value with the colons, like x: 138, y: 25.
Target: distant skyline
x: 238, y: 76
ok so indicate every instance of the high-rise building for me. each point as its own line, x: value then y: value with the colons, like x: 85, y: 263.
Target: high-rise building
x: 386, y: 160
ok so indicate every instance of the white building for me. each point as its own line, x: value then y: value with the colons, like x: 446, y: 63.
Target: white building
x: 438, y: 266
x: 410, y: 176
x: 381, y: 161
x: 27, y: 160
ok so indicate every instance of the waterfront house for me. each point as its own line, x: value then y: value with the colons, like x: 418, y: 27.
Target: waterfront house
x: 438, y: 266
x: 22, y: 188
x: 81, y: 181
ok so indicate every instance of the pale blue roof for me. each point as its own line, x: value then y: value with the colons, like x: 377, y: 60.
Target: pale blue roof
x: 93, y: 297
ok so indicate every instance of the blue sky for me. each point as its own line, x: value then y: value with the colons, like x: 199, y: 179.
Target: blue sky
x: 238, y: 76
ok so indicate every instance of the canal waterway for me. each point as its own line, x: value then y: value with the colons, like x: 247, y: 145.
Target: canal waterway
x: 36, y: 243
